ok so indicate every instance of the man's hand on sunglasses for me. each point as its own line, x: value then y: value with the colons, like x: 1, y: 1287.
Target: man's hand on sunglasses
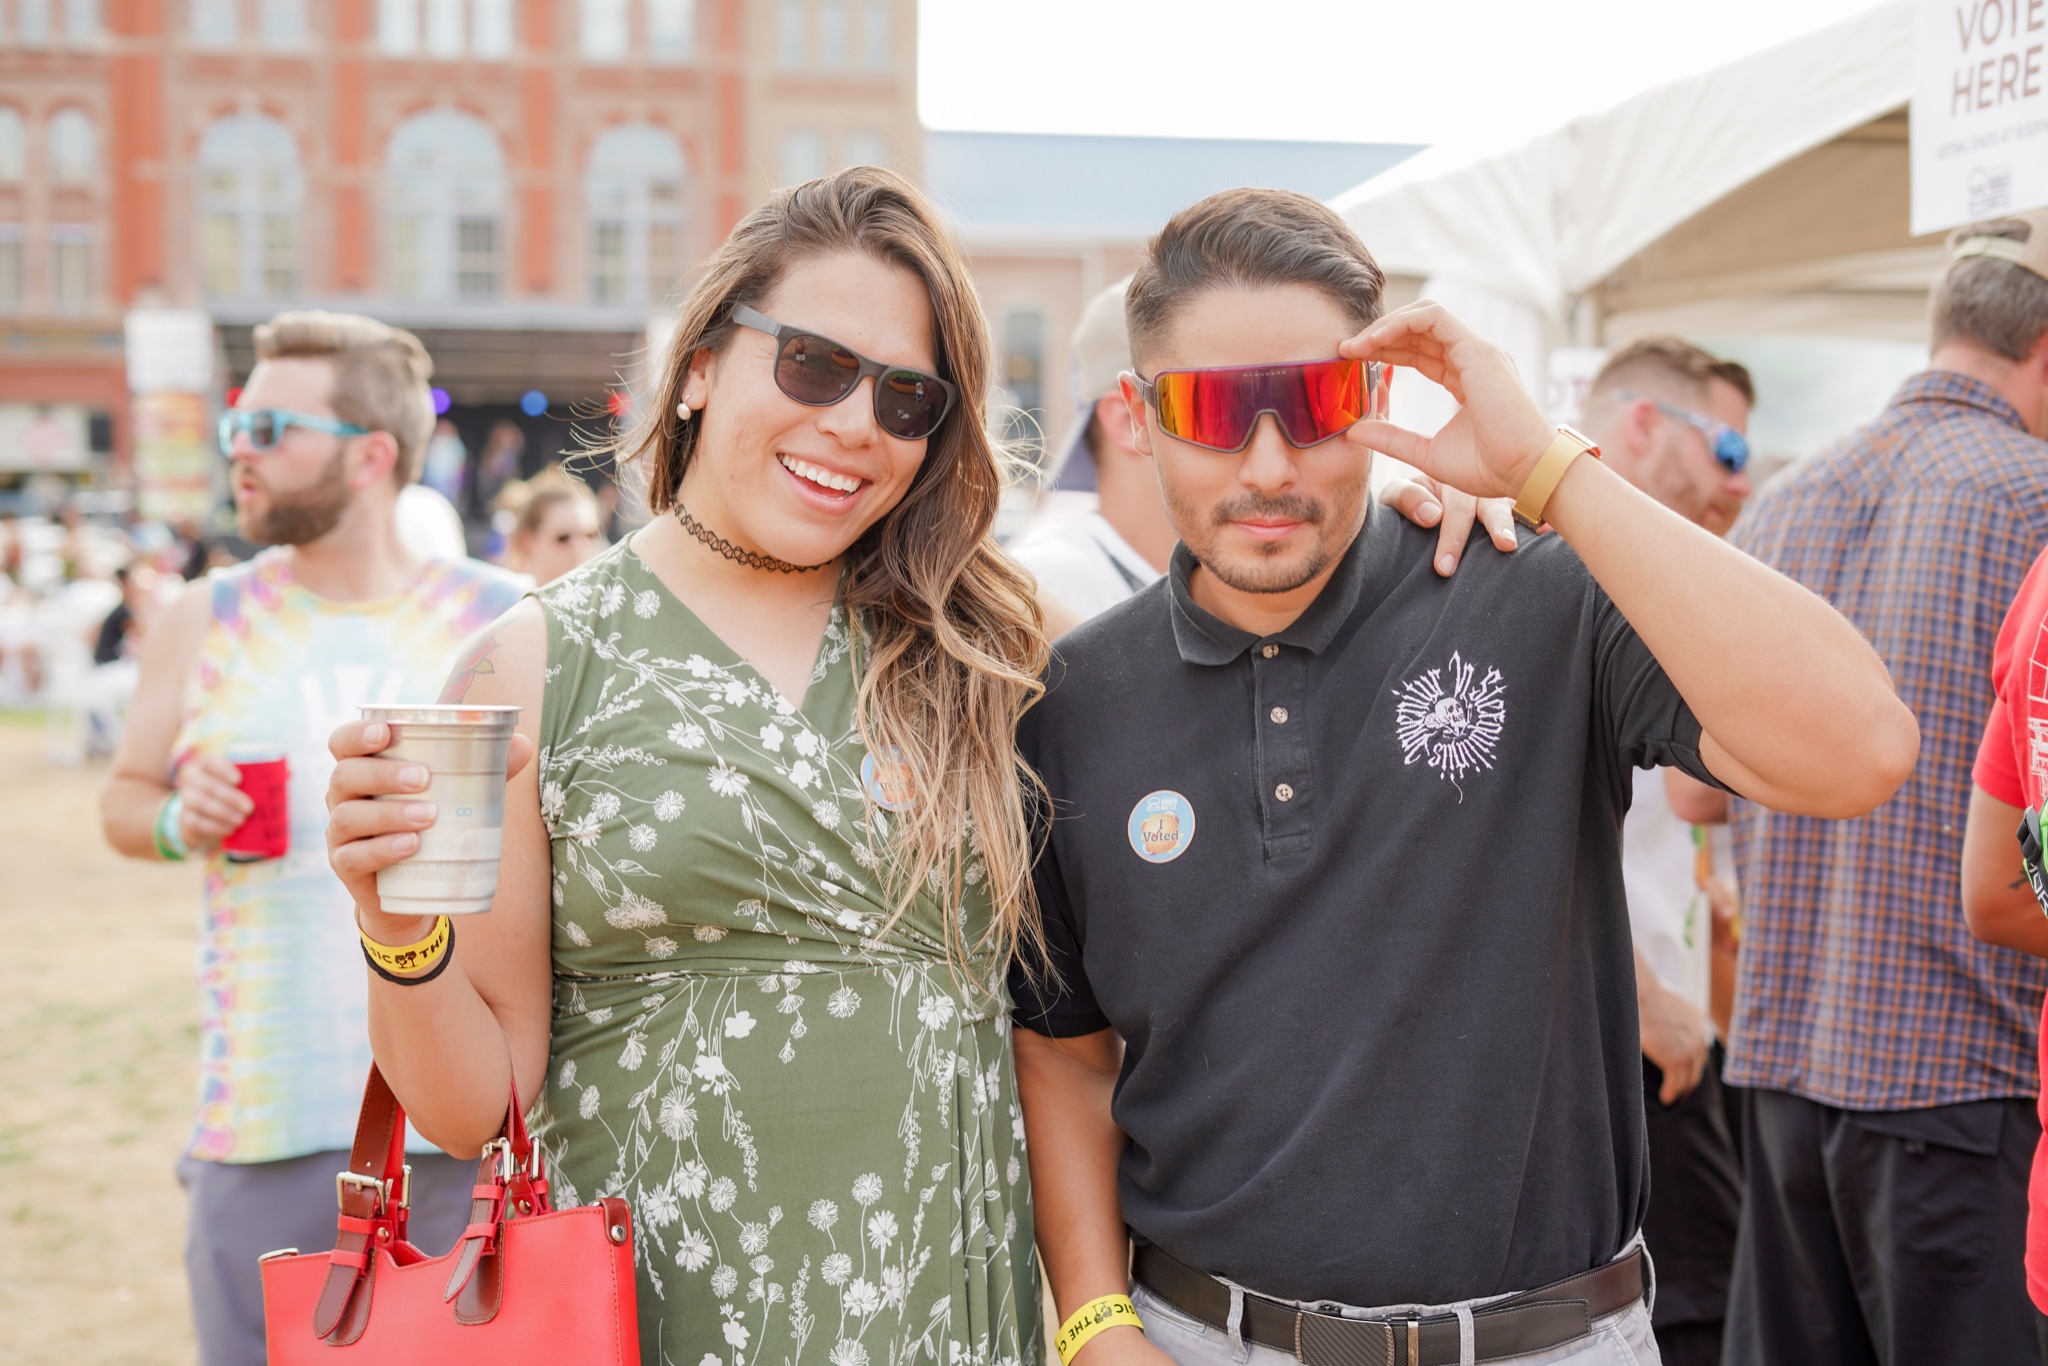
x: 1453, y: 512
x: 1494, y: 440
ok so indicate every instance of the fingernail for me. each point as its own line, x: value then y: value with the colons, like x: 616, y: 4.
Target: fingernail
x: 1430, y: 511
x: 407, y: 843
x: 412, y: 775
x: 419, y: 811
x: 1446, y: 563
x: 376, y: 734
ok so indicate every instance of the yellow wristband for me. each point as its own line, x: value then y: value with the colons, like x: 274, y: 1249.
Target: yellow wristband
x: 412, y: 957
x: 1110, y: 1311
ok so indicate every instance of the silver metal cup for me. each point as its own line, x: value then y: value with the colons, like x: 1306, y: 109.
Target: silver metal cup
x: 464, y: 750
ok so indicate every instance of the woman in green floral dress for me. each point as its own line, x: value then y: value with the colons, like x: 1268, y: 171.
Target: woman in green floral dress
x: 764, y: 872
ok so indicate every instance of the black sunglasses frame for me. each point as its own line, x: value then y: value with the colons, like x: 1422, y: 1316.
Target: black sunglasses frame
x: 743, y: 316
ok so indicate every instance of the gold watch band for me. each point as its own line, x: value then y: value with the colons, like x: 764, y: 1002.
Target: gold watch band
x: 1568, y: 445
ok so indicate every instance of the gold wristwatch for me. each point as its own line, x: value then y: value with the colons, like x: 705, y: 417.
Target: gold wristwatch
x: 1568, y: 445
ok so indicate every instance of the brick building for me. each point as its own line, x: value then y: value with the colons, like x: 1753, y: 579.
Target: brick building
x: 522, y: 182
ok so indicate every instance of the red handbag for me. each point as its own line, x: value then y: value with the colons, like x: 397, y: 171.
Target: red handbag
x: 527, y: 1284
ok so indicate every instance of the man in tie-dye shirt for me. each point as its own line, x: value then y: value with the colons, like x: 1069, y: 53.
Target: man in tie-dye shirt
x: 270, y: 656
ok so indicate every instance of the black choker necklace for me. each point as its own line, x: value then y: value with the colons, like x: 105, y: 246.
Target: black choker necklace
x: 752, y: 559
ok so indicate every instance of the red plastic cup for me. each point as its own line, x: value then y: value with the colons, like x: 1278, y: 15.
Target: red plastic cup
x: 267, y: 833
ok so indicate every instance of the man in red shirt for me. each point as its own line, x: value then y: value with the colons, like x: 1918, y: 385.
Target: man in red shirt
x: 2011, y: 778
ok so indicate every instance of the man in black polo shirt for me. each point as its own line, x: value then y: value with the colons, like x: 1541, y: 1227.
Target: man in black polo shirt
x: 1339, y: 1021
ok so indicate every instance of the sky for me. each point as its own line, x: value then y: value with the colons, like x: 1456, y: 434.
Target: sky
x: 1464, y: 72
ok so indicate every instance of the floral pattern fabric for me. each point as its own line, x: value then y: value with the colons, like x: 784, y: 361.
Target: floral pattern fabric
x: 812, y: 1113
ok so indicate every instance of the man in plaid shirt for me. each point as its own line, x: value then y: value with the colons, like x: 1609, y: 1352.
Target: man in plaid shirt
x: 1892, y: 1055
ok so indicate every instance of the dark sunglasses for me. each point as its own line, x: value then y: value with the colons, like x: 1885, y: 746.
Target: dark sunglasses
x: 1729, y: 446
x: 267, y: 426
x: 819, y: 372
x: 1312, y: 401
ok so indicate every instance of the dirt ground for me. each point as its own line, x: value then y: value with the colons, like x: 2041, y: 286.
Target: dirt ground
x: 98, y: 1060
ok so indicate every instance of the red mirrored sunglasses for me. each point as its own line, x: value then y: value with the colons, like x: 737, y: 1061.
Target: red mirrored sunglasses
x: 1312, y: 401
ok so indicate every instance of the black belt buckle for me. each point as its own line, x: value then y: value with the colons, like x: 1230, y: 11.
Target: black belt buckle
x: 1331, y: 1340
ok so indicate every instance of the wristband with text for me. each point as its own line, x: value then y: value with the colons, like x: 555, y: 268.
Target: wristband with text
x: 170, y: 841
x: 431, y: 951
x: 1108, y: 1311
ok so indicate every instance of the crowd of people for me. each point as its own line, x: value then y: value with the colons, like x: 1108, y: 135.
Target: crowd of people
x: 1299, y: 928
x: 80, y: 592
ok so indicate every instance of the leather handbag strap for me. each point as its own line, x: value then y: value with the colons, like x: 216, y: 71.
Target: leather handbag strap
x: 509, y: 1185
x: 372, y: 1198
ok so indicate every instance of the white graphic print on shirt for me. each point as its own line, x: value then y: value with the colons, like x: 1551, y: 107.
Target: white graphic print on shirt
x: 1454, y: 726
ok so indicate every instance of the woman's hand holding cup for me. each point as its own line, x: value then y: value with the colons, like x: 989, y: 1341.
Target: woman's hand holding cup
x: 367, y: 833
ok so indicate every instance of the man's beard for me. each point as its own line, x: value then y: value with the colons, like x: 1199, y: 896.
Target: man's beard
x: 1268, y: 573
x: 304, y: 515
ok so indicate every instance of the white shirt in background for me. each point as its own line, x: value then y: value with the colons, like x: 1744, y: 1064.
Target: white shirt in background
x: 1666, y: 910
x: 1083, y: 562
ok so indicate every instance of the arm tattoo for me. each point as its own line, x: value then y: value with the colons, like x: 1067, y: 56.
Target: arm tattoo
x: 476, y: 660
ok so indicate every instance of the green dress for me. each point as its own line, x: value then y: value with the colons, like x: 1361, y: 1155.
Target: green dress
x: 816, y: 1122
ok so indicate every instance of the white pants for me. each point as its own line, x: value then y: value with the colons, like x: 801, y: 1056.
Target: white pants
x: 1621, y: 1339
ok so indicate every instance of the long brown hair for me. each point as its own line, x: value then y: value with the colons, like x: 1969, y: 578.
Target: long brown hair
x: 954, y: 641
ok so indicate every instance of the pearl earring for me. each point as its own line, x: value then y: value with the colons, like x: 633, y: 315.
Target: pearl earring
x: 685, y: 411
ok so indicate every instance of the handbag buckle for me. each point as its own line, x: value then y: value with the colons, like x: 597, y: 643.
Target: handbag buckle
x: 378, y: 1188
x: 507, y: 1164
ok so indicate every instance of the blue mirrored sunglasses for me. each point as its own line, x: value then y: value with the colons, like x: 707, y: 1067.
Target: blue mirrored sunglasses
x: 1729, y: 446
x: 266, y: 427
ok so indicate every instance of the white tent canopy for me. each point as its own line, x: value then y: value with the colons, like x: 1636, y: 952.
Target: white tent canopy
x: 1769, y: 195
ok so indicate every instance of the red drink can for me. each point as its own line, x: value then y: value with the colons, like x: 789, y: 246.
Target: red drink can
x: 267, y: 833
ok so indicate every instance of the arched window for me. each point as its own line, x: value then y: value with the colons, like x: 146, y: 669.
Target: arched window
x: 634, y: 189
x: 81, y: 21
x: 250, y: 189
x: 671, y: 30
x: 71, y: 147
x: 215, y: 23
x: 444, y: 199
x: 605, y: 30
x: 13, y: 147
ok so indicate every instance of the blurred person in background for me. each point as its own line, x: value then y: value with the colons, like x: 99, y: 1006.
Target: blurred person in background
x: 1671, y: 420
x: 117, y: 645
x: 1891, y: 1056
x: 429, y: 524
x: 326, y: 432
x: 551, y: 524
x: 121, y: 632
x: 499, y: 462
x: 447, y: 465
x: 1093, y: 557
x: 1102, y: 533
x: 194, y: 545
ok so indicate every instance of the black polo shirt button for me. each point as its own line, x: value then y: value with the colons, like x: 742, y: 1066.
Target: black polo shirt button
x: 1268, y: 651
x: 1285, y: 792
x: 1279, y: 715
